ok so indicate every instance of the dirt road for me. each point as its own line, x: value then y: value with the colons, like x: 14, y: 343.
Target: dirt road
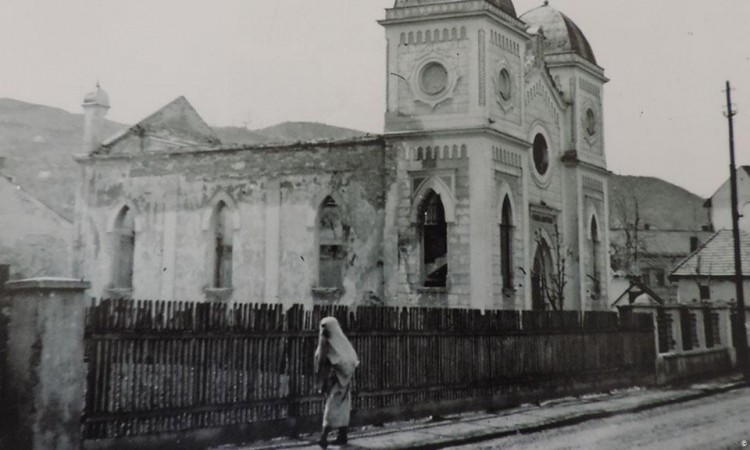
x: 717, y: 422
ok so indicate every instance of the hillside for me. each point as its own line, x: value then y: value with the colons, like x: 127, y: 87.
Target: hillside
x: 38, y: 142
x: 661, y: 204
x: 284, y: 132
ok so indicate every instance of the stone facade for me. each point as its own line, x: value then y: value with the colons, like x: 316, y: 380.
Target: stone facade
x: 492, y: 146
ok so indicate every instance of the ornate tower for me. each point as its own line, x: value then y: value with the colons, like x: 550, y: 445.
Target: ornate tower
x: 455, y: 119
x: 571, y: 63
x: 495, y: 122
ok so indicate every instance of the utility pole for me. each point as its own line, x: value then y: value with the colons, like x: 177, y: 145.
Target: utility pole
x: 742, y: 350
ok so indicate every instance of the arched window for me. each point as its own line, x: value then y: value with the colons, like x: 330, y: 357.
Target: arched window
x: 124, y: 236
x: 506, y: 244
x: 595, y: 256
x: 223, y: 234
x: 434, y: 241
x: 332, y: 245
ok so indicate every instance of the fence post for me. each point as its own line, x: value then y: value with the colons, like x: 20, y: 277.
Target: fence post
x: 44, y: 363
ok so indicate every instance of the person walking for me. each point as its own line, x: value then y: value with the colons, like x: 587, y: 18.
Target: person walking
x: 335, y: 362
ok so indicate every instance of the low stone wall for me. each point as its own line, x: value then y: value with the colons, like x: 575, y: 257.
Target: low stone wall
x: 674, y: 367
x: 692, y: 341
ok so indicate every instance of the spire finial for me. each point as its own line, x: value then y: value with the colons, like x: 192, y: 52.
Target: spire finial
x: 97, y: 84
x: 546, y: 3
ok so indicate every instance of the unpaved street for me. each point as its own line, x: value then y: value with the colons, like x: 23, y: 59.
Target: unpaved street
x: 717, y: 422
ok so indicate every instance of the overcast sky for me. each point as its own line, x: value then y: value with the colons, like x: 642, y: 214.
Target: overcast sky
x: 258, y: 63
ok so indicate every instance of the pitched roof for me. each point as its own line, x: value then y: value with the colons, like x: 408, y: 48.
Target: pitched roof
x: 715, y: 258
x: 725, y: 184
x: 177, y: 124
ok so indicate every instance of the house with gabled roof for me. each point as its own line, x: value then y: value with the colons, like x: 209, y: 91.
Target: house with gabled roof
x: 708, y: 274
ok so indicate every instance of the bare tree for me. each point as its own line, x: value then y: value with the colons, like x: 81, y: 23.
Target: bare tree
x: 626, y: 255
x: 554, y: 282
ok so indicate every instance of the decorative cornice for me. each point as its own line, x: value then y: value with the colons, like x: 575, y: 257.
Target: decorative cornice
x: 457, y: 132
x: 452, y: 10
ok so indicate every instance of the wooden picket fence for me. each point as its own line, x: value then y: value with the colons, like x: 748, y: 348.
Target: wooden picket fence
x: 161, y: 367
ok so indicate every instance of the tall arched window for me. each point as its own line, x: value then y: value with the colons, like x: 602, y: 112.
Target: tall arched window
x: 223, y: 234
x: 124, y: 236
x: 595, y: 256
x: 332, y: 245
x: 506, y: 244
x: 434, y: 241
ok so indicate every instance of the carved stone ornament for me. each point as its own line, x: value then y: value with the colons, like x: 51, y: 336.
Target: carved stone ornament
x: 590, y: 124
x: 506, y: 87
x: 433, y: 79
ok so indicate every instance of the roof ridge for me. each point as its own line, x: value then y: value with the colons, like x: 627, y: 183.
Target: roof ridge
x: 694, y: 252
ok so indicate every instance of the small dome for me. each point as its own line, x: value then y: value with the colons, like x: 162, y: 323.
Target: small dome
x: 561, y: 34
x: 97, y: 97
x: 505, y: 5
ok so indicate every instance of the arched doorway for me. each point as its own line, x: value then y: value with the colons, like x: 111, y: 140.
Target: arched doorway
x: 540, y: 276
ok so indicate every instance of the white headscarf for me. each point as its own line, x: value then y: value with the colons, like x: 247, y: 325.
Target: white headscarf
x: 337, y: 349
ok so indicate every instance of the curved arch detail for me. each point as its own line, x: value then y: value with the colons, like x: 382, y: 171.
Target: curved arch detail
x: 138, y: 220
x: 591, y: 214
x: 505, y: 191
x: 317, y: 202
x: 442, y: 190
x: 208, y: 212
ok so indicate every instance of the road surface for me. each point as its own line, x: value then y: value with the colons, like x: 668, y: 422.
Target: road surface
x: 716, y: 422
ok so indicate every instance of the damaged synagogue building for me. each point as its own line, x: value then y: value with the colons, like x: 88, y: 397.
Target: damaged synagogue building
x: 491, y: 170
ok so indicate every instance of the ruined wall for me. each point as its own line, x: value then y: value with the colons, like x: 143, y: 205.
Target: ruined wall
x: 274, y: 193
x: 35, y: 240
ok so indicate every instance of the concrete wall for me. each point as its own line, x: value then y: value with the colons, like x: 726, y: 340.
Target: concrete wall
x: 43, y: 394
x: 35, y: 240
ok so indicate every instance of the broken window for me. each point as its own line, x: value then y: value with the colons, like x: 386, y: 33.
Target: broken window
x: 223, y: 236
x: 124, y: 235
x: 506, y: 245
x: 595, y: 257
x: 332, y: 245
x: 434, y: 241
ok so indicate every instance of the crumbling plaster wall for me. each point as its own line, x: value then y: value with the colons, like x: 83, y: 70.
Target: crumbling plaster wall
x: 275, y: 191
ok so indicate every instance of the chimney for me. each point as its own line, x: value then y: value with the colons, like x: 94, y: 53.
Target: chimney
x: 95, y: 107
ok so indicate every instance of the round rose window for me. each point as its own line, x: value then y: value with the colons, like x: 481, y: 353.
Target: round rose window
x: 434, y: 78
x: 541, y: 154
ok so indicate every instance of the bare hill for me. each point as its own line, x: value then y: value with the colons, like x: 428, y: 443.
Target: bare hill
x: 661, y: 204
x: 285, y: 132
x: 38, y: 142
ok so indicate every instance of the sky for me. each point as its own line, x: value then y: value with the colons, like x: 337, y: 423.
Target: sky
x: 257, y: 63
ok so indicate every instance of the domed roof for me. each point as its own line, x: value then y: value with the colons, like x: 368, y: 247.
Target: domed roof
x: 505, y: 5
x: 96, y: 97
x: 561, y: 34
